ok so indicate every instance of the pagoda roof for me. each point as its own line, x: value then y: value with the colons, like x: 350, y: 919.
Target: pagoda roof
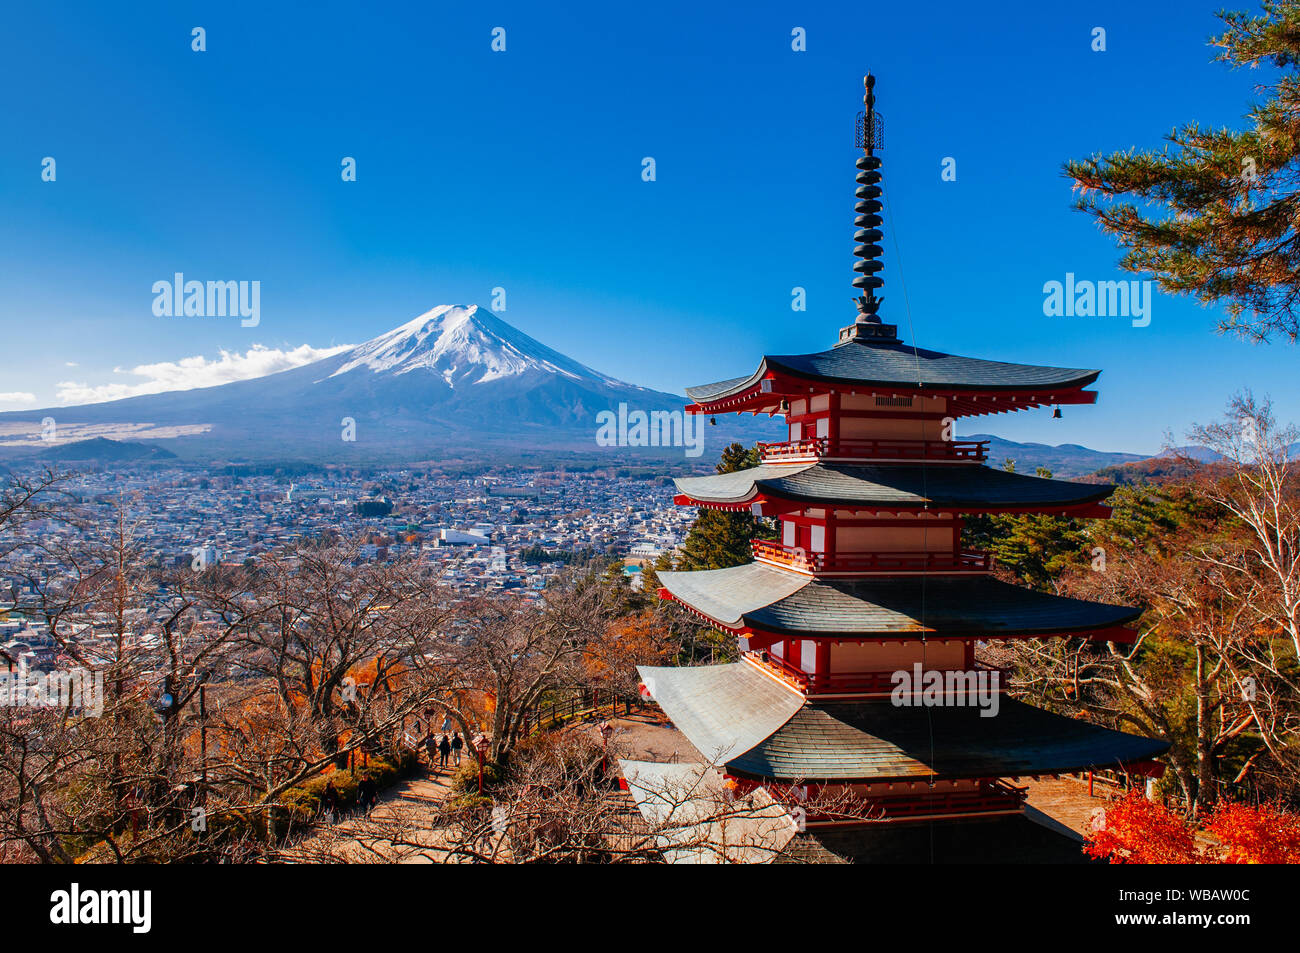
x: 891, y: 363
x: 961, y: 487
x: 876, y: 740
x: 724, y: 710
x: 762, y: 599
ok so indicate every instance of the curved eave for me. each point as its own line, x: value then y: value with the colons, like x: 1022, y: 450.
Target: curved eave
x: 764, y: 504
x: 879, y: 742
x: 769, y: 490
x: 768, y: 605
x: 724, y: 596
x: 760, y: 638
x: 738, y: 717
x: 776, y: 379
x: 768, y: 634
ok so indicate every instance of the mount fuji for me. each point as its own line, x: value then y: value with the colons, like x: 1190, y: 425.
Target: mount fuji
x: 457, y: 380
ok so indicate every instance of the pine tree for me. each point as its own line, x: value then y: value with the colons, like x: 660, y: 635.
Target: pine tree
x: 720, y: 539
x: 1214, y: 214
x: 1034, y: 547
x: 650, y: 571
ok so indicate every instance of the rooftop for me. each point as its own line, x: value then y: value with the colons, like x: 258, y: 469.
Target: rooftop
x: 765, y: 599
x: 966, y: 488
x: 890, y: 363
x: 722, y: 709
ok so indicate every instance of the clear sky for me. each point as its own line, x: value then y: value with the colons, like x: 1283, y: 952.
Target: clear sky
x: 523, y: 169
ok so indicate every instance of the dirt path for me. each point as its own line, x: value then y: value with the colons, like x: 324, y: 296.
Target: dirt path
x: 396, y: 830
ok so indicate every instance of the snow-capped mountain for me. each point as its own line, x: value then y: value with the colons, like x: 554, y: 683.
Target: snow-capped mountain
x: 455, y: 381
x: 463, y: 345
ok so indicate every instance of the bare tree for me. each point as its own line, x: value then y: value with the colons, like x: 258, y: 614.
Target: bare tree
x: 510, y: 654
x: 1215, y: 669
x: 560, y: 804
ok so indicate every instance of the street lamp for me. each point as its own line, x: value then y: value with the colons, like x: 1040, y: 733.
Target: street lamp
x: 480, y: 748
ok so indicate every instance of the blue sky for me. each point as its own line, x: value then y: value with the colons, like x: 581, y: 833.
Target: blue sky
x: 522, y: 169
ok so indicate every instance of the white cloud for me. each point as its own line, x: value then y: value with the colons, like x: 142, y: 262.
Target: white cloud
x: 71, y: 364
x: 17, y: 397
x: 191, y: 372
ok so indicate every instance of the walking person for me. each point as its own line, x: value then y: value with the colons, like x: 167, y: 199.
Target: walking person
x: 431, y: 749
x: 329, y: 802
x: 444, y: 751
x: 367, y: 794
x: 457, y: 742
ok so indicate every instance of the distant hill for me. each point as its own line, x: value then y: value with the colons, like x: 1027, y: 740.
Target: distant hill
x: 103, y: 450
x: 1067, y: 461
x: 1175, y: 464
x: 1161, y: 469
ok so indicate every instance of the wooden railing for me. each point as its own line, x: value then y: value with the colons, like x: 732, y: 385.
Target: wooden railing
x: 846, y: 683
x: 989, y: 797
x: 798, y: 558
x: 873, y: 449
x: 585, y: 702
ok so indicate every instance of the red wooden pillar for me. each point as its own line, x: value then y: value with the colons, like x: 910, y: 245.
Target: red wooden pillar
x: 833, y: 422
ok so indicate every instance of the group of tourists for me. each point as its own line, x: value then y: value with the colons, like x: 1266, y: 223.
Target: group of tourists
x: 442, y: 748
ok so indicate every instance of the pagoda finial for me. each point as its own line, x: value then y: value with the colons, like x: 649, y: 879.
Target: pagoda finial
x: 870, y: 136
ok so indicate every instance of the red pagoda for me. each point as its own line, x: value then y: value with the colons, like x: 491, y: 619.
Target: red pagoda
x: 870, y: 578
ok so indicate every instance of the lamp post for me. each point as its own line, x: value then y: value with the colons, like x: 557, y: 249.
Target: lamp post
x: 480, y: 748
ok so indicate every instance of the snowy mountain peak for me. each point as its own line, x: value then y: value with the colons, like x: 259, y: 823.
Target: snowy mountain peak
x: 463, y: 345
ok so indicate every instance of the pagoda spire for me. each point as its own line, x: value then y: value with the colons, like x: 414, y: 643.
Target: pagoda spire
x: 870, y: 136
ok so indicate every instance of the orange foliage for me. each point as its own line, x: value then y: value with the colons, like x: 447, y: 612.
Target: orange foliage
x: 627, y: 642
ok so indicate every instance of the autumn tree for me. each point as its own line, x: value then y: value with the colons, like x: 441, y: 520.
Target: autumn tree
x: 1139, y: 831
x: 1212, y: 561
x: 508, y: 654
x: 628, y: 641
x: 309, y: 620
x: 1255, y: 482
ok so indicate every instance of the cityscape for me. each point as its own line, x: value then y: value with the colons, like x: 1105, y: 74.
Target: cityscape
x: 504, y: 530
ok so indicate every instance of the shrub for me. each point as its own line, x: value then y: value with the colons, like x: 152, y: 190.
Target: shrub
x: 465, y: 778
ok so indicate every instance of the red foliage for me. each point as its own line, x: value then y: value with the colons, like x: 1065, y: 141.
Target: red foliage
x: 1138, y: 831
x: 1255, y: 835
